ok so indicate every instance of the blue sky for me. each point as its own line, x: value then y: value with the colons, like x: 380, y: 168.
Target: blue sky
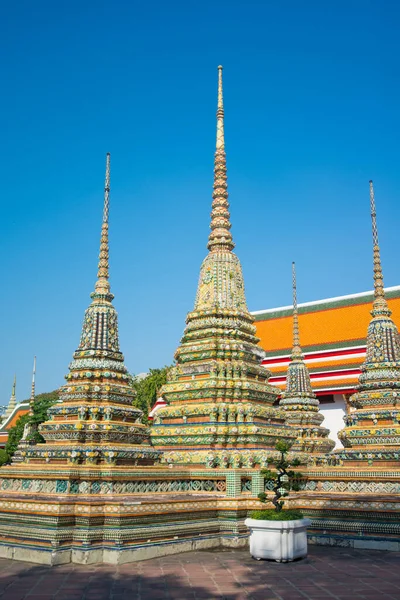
x: 312, y: 99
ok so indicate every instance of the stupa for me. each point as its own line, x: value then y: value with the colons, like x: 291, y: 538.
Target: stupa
x: 13, y: 400
x: 220, y: 405
x: 299, y: 401
x: 29, y: 428
x: 372, y: 431
x: 94, y: 421
x: 90, y: 495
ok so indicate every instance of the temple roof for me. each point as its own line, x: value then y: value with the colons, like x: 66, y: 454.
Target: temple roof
x: 333, y: 333
x: 11, y: 419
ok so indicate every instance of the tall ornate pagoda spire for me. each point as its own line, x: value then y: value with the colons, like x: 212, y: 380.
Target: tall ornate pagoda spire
x: 296, y: 351
x: 220, y: 236
x: 299, y: 401
x: 220, y: 408
x: 102, y: 286
x: 372, y: 432
x: 95, y: 422
x: 13, y: 400
x: 380, y: 306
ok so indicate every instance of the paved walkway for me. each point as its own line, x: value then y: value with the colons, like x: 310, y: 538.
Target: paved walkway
x: 332, y: 573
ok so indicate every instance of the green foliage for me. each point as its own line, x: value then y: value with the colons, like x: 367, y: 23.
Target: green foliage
x: 283, y: 446
x: 41, y: 406
x: 15, y: 434
x: 4, y: 458
x: 146, y: 390
x: 40, y: 413
x: 272, y: 515
x: 283, y: 479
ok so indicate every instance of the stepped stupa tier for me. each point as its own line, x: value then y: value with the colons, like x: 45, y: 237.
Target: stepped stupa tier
x: 220, y: 406
x: 299, y: 401
x: 94, y: 422
x: 372, y: 431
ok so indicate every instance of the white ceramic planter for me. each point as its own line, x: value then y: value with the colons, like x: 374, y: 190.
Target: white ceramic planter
x: 282, y: 541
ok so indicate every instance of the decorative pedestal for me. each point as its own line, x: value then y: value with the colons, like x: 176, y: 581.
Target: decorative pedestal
x: 282, y: 541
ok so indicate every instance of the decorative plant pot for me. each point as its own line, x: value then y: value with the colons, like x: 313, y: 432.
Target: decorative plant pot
x: 282, y: 541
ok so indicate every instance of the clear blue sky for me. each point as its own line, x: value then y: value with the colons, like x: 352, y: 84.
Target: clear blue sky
x: 312, y: 98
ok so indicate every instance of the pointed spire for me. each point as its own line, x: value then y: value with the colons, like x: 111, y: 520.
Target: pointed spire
x: 297, y: 377
x: 102, y: 286
x: 380, y: 306
x: 220, y: 112
x: 13, y: 399
x: 220, y: 237
x: 98, y: 383
x: 13, y: 395
x: 32, y: 398
x: 371, y: 431
x: 296, y: 351
x: 100, y: 326
x: 299, y: 400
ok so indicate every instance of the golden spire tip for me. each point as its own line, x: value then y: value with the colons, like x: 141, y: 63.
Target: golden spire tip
x: 33, y: 392
x: 380, y: 305
x: 102, y: 285
x: 296, y: 351
x: 220, y: 236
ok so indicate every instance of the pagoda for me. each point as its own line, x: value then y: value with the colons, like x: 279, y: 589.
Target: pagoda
x: 30, y: 428
x: 372, y: 431
x: 220, y: 405
x: 94, y: 421
x: 13, y: 400
x: 299, y: 401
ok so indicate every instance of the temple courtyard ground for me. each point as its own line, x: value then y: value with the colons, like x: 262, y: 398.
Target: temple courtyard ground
x: 337, y: 573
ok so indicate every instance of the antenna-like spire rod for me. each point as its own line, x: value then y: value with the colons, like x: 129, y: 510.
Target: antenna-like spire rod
x: 102, y: 286
x: 380, y: 304
x: 220, y: 112
x: 13, y: 392
x: 220, y: 236
x: 32, y: 398
x: 296, y: 352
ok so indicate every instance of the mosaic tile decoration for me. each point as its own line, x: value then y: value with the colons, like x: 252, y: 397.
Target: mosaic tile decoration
x: 218, y: 369
x: 372, y: 432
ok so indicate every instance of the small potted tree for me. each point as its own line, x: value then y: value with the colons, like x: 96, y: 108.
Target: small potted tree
x: 277, y: 533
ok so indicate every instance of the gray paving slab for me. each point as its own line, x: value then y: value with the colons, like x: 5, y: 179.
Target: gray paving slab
x: 331, y: 573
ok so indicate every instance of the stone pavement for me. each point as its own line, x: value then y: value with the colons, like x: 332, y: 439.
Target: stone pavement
x: 332, y: 573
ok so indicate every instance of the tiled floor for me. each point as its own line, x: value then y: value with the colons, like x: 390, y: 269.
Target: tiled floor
x: 333, y: 573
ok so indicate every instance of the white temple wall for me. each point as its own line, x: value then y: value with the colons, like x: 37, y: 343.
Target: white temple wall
x: 333, y: 414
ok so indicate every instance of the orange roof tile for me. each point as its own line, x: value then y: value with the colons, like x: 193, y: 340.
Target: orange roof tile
x: 332, y: 334
x: 320, y: 325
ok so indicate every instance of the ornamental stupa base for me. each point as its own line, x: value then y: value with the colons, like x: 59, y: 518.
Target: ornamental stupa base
x: 355, y: 507
x: 376, y: 457
x: 372, y: 432
x: 86, y: 514
x: 312, y: 438
x: 220, y: 434
x: 226, y: 458
x: 96, y: 455
x: 114, y: 515
x: 94, y: 424
x: 307, y: 444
